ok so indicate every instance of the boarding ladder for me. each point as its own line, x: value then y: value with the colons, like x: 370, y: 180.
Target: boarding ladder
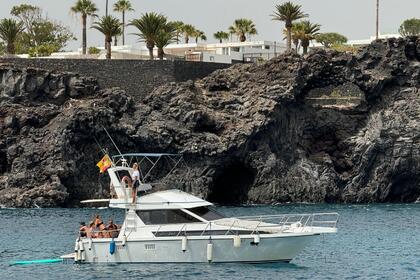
x: 131, y: 220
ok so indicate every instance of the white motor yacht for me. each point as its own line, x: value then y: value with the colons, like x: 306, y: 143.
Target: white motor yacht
x: 172, y: 226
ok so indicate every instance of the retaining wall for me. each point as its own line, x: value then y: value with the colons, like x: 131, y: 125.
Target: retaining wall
x: 137, y: 77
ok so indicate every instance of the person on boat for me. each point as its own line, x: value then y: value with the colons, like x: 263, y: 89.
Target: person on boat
x: 100, y: 227
x: 97, y: 221
x: 112, y: 191
x: 91, y: 230
x: 112, y: 229
x: 83, y: 229
x: 135, y: 177
x: 127, y: 181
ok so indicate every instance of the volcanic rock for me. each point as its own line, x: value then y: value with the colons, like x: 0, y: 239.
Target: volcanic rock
x: 326, y: 127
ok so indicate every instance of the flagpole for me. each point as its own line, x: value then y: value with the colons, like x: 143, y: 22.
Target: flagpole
x: 99, y: 145
x: 377, y: 19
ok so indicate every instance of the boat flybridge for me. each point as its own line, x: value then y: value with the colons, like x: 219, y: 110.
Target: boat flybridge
x: 172, y: 226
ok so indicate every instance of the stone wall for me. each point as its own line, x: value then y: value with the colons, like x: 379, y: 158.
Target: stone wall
x: 137, y: 77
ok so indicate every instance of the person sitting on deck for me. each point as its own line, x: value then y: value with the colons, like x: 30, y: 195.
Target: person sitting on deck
x: 135, y: 177
x: 126, y: 180
x: 91, y: 230
x: 100, y: 227
x: 112, y: 229
x: 97, y: 221
x: 83, y: 229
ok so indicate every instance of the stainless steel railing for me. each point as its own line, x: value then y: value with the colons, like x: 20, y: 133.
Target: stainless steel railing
x: 257, y: 224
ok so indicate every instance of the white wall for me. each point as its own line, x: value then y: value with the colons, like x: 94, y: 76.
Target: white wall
x: 217, y: 58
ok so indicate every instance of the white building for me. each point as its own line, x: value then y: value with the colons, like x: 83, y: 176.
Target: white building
x: 229, y: 52
x: 371, y: 39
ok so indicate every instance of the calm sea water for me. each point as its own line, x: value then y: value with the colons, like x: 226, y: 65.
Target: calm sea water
x: 374, y: 242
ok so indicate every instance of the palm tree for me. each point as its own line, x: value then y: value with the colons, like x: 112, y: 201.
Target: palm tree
x: 85, y: 8
x: 288, y: 12
x: 166, y: 35
x: 231, y: 30
x: 189, y: 31
x: 200, y: 35
x: 296, y: 35
x: 116, y: 36
x: 149, y: 25
x: 243, y: 27
x: 109, y: 26
x: 9, y: 31
x: 307, y: 32
x: 221, y: 35
x: 123, y: 6
x: 179, y: 25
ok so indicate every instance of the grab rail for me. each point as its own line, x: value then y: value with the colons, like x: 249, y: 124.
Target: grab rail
x: 254, y: 224
x: 329, y: 220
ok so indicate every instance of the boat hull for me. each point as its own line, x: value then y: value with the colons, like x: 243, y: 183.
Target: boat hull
x: 223, y: 249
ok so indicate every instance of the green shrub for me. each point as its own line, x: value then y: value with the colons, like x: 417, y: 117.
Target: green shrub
x: 345, y: 48
x: 93, y: 50
x: 330, y: 39
x: 43, y: 50
x: 410, y: 27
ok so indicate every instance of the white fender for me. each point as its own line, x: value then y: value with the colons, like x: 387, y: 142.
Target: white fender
x: 90, y: 244
x: 236, y: 241
x: 76, y: 246
x: 76, y: 251
x: 184, y: 243
x: 209, y: 252
x: 82, y: 251
x: 81, y: 246
x: 82, y: 256
x: 124, y: 240
x: 257, y: 239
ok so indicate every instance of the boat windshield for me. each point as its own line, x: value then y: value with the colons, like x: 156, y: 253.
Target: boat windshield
x: 175, y: 216
x: 206, y: 213
x: 122, y: 173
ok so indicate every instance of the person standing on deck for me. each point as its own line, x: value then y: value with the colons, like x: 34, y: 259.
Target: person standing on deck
x: 135, y: 177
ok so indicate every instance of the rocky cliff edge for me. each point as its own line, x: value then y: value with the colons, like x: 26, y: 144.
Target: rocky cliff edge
x: 327, y: 127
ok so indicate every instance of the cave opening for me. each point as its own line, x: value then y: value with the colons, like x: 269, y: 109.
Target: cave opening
x: 3, y: 162
x: 404, y: 189
x: 231, y: 185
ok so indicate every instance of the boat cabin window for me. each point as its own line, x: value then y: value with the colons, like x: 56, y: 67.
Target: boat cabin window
x: 171, y: 216
x: 122, y: 173
x: 206, y: 213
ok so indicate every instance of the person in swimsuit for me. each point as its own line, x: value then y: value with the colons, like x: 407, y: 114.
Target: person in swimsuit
x: 112, y: 229
x: 91, y: 230
x: 135, y: 177
x: 83, y: 229
x: 100, y: 227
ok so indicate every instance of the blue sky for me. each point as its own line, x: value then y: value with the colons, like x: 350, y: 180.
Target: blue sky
x: 353, y: 18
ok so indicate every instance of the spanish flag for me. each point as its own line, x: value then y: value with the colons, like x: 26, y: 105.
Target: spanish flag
x: 104, y: 163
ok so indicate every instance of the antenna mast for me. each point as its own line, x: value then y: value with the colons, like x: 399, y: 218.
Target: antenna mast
x: 115, y: 145
x: 377, y: 19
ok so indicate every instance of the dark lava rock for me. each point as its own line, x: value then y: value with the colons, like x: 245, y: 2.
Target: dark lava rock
x: 329, y: 127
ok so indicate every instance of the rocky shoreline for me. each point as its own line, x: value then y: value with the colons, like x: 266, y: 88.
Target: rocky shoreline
x: 328, y: 127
